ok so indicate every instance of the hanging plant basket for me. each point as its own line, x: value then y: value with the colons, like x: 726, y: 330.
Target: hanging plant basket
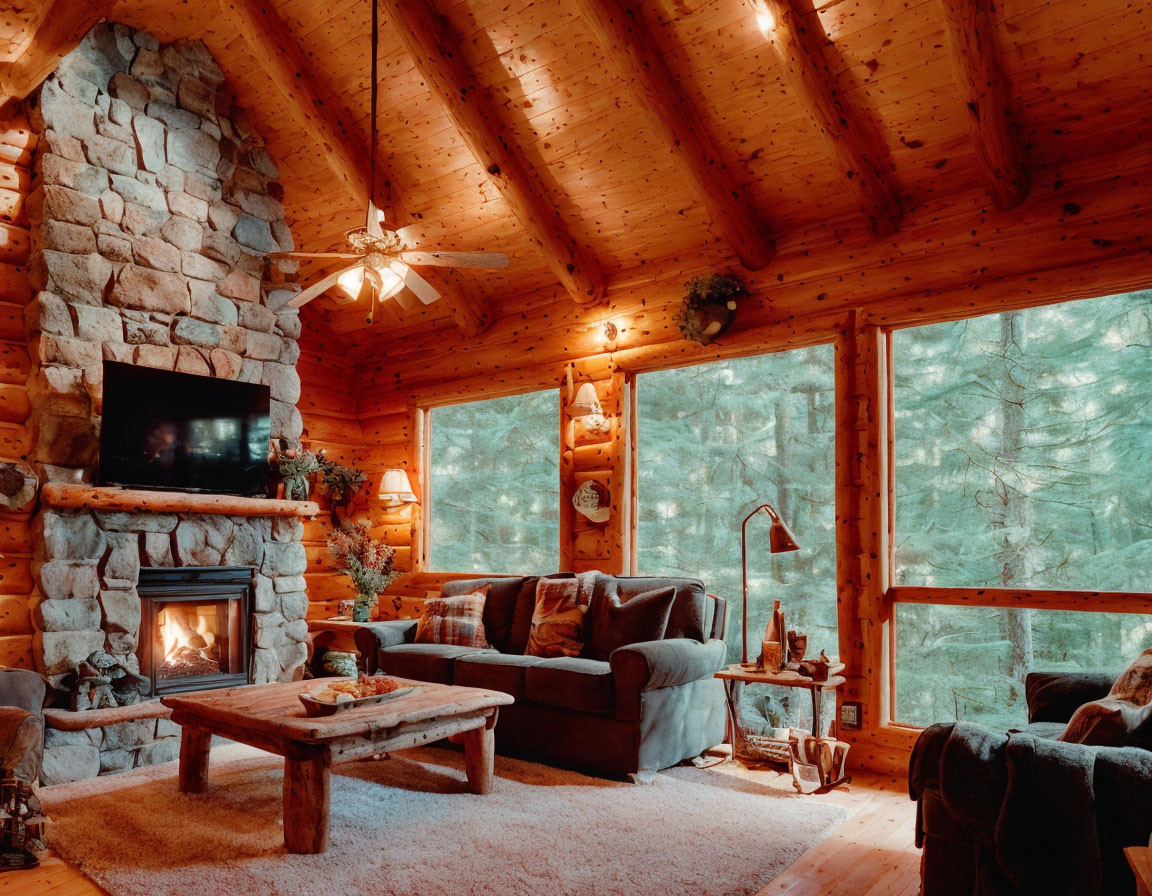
x: 709, y: 306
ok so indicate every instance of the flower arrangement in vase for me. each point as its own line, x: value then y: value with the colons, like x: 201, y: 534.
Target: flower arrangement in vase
x: 366, y: 561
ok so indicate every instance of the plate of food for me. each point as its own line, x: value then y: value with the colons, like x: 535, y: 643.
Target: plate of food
x: 338, y: 694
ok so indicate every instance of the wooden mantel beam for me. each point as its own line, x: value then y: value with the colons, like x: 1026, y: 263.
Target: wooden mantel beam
x: 61, y: 30
x: 628, y: 43
x: 328, y: 121
x: 807, y: 74
x: 435, y: 49
x: 984, y: 89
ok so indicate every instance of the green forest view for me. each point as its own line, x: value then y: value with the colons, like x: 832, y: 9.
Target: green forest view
x: 715, y: 441
x: 1023, y: 444
x: 495, y: 485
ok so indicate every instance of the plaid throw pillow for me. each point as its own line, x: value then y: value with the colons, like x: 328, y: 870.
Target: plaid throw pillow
x: 454, y: 620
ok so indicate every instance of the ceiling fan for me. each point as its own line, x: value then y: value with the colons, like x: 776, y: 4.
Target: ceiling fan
x: 381, y: 261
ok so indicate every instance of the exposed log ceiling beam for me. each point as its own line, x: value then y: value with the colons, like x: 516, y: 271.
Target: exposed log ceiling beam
x: 808, y: 76
x: 984, y: 89
x: 328, y: 121
x: 62, y: 28
x: 435, y: 49
x: 627, y: 42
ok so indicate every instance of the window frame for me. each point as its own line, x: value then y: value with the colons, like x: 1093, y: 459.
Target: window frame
x: 1075, y: 600
x: 423, y: 526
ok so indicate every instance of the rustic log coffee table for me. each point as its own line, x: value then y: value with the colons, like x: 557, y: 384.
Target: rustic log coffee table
x: 270, y: 717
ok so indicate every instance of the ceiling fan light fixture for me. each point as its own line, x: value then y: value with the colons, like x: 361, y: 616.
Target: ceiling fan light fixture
x: 391, y: 282
x: 351, y: 281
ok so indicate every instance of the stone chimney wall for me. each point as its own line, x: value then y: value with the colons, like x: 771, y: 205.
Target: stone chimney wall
x: 154, y: 208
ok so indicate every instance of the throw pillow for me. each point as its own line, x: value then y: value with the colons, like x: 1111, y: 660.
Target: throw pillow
x: 454, y: 620
x: 1124, y: 717
x: 558, y: 618
x: 642, y: 618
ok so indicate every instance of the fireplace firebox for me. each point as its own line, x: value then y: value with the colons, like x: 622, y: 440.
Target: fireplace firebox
x: 195, y: 627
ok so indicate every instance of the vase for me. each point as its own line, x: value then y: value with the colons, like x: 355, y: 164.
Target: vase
x: 362, y: 609
x: 340, y: 662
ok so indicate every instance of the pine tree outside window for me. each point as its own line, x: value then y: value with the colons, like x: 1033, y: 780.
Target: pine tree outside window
x: 1022, y: 445
x: 494, y: 483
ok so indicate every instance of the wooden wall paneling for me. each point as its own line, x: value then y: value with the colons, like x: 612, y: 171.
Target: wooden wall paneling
x: 862, y: 520
x: 984, y: 88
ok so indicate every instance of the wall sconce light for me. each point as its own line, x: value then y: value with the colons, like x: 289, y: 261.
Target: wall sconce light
x: 396, y: 489
x: 587, y: 407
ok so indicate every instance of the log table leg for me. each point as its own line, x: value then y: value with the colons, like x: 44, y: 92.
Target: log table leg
x: 479, y: 755
x: 195, y: 744
x: 307, y: 785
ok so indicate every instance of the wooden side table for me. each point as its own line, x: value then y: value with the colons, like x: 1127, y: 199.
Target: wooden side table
x: 735, y: 677
x: 1140, y: 858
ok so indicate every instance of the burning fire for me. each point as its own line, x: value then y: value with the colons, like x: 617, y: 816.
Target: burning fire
x: 184, y: 634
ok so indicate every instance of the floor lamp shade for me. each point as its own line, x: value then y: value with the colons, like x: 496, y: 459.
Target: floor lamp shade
x: 780, y: 540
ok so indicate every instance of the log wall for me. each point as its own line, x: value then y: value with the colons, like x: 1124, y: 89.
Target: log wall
x: 17, y: 143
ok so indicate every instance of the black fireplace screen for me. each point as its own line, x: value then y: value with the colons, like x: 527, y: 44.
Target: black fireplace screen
x: 195, y: 630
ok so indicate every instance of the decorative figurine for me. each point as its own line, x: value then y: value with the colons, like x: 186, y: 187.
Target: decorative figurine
x: 797, y: 644
x: 772, y: 650
x: 101, y: 681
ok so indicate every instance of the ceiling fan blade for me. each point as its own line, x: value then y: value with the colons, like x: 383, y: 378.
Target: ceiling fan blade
x: 421, y: 288
x: 306, y: 255
x: 320, y: 286
x: 372, y: 224
x: 406, y: 300
x: 456, y: 259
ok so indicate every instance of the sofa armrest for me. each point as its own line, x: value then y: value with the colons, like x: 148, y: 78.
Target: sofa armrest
x: 650, y: 665
x: 21, y: 742
x: 372, y: 637
x: 1054, y: 696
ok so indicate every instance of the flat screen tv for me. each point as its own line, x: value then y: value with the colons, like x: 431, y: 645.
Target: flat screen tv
x: 182, y: 432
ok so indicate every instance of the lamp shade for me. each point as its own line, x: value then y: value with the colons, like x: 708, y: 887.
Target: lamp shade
x: 780, y: 537
x: 585, y: 402
x: 395, y: 489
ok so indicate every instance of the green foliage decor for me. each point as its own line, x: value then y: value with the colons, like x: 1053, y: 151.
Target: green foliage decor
x: 708, y: 306
x: 295, y: 465
x: 364, y: 559
x: 339, y: 481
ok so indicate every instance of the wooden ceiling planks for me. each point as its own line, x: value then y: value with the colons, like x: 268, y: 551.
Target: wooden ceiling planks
x: 1077, y: 75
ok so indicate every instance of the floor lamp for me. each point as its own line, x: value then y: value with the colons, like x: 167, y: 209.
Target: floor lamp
x: 780, y: 539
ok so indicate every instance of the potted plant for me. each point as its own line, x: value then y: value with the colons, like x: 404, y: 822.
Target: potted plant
x: 708, y: 306
x: 295, y: 465
x: 366, y: 561
x: 339, y: 482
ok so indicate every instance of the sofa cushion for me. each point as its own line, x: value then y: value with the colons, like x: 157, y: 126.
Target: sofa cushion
x: 560, y: 618
x: 1124, y: 717
x: 571, y: 683
x: 506, y: 615
x: 454, y: 620
x: 691, y: 615
x: 424, y: 662
x: 494, y: 671
x: 614, y: 623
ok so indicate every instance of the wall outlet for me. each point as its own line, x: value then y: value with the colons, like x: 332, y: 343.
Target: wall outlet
x: 850, y: 716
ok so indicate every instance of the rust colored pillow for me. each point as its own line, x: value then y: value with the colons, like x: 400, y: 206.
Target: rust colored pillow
x: 558, y: 621
x: 454, y: 620
x: 1124, y: 717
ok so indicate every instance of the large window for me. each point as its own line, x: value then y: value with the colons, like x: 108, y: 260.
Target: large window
x: 716, y: 440
x: 1023, y: 444
x: 495, y: 493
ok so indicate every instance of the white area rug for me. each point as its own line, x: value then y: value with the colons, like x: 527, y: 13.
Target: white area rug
x: 406, y: 825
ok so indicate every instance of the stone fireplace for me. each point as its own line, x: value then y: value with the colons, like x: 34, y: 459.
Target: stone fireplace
x: 195, y: 627
x: 154, y: 210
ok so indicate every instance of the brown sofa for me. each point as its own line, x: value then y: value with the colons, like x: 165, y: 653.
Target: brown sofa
x: 649, y: 706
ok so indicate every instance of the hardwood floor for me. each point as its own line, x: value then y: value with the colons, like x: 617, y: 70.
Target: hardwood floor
x: 870, y: 854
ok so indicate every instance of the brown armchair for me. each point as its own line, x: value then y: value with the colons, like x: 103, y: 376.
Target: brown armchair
x: 22, y: 697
